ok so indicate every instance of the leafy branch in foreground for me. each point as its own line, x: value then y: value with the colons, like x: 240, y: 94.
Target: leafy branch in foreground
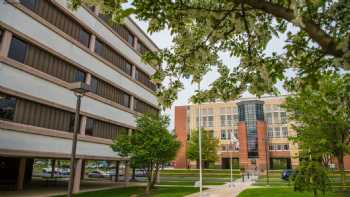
x: 318, y: 40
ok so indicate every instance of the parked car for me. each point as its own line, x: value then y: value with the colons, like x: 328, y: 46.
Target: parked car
x: 140, y: 173
x: 286, y: 174
x: 97, y: 174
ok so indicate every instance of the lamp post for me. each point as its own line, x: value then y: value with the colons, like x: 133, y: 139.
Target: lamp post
x: 232, y: 142
x: 79, y: 89
x: 200, y: 146
x: 267, y: 161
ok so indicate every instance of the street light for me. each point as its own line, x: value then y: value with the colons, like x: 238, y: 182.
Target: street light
x: 233, y: 142
x: 267, y: 159
x: 200, y: 146
x: 79, y: 89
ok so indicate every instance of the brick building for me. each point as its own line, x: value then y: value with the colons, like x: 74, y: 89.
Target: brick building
x: 260, y: 125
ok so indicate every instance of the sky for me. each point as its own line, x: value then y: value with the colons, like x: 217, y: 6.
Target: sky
x: 163, y: 40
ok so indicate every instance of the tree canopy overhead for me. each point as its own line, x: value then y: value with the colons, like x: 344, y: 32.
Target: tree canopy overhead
x: 201, y: 29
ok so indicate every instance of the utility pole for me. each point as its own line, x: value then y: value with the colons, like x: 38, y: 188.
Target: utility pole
x: 200, y: 145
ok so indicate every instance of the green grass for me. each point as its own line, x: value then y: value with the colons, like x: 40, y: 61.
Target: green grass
x: 191, y: 183
x: 139, y: 191
x: 284, y: 192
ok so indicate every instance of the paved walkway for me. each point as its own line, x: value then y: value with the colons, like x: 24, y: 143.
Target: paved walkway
x: 226, y: 190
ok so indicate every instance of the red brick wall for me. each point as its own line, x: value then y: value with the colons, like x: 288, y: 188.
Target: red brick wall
x: 181, y: 135
x: 261, y: 134
x: 243, y: 146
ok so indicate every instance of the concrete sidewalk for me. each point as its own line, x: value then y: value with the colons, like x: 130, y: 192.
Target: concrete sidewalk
x: 226, y: 190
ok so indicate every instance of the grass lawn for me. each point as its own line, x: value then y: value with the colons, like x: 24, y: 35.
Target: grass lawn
x: 284, y: 192
x: 139, y: 191
x: 191, y: 183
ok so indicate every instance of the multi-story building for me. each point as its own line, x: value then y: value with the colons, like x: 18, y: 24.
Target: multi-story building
x: 260, y: 125
x: 44, y: 47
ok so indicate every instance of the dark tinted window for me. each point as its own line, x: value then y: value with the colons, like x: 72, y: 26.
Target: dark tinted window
x: 1, y: 32
x: 17, y: 50
x: 84, y: 37
x: 89, y: 126
x: 98, y: 47
x: 79, y: 76
x: 7, y: 107
x: 28, y: 3
x: 93, y: 85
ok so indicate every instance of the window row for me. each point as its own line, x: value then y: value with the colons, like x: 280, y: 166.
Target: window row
x: 44, y: 61
x: 206, y: 121
x: 144, y: 79
x: 229, y: 147
x: 52, y: 14
x: 31, y: 113
x: 228, y: 120
x: 277, y: 132
x: 276, y: 117
x: 278, y: 147
x: 228, y: 134
x: 143, y: 107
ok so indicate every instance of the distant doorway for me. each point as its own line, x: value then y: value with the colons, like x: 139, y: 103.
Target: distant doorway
x: 225, y: 163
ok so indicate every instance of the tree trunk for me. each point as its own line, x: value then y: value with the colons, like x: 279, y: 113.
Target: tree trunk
x: 133, y: 178
x: 341, y: 170
x: 150, y: 178
x: 314, y: 193
x: 155, y: 176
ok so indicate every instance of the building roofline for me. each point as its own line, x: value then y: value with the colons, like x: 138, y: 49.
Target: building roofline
x: 240, y: 99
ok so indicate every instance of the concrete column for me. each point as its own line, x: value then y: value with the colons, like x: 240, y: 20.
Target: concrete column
x: 21, y: 173
x: 117, y: 163
x: 133, y: 71
x: 126, y: 173
x: 53, y: 166
x: 88, y: 78
x: 76, y: 184
x: 82, y: 125
x: 5, y: 43
x: 92, y: 43
x: 135, y: 43
x: 82, y: 169
x: 132, y: 102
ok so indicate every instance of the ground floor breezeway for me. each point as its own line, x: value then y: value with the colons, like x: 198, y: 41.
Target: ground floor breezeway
x: 51, y: 175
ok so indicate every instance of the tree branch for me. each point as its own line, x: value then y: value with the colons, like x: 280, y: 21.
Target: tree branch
x: 326, y: 42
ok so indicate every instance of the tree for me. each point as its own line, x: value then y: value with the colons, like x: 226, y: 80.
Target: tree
x: 209, y: 148
x: 150, y: 146
x: 322, y: 119
x: 317, y: 31
x: 311, y: 176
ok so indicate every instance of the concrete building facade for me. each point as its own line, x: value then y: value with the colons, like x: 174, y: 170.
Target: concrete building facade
x: 44, y: 47
x: 260, y: 125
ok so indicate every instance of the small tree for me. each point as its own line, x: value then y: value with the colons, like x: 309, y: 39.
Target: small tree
x: 209, y: 147
x: 311, y: 176
x: 150, y: 146
x: 322, y: 117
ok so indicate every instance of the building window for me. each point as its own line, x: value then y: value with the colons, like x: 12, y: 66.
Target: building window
x: 54, y: 15
x: 269, y: 132
x: 286, y: 147
x: 144, y: 79
x: 276, y: 118
x: 229, y: 134
x: 18, y: 50
x: 283, y: 117
x: 277, y: 132
x: 284, y: 131
x: 268, y: 117
x: 109, y: 54
x: 44, y: 61
x: 143, y: 107
x: 101, y: 129
x: 84, y: 37
x: 270, y: 147
x: 279, y: 147
x: 109, y: 92
x: 223, y: 148
x: 223, y: 120
x: 7, y: 107
x: 223, y: 134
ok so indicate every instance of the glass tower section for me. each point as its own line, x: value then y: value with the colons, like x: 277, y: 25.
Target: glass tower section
x: 250, y: 112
